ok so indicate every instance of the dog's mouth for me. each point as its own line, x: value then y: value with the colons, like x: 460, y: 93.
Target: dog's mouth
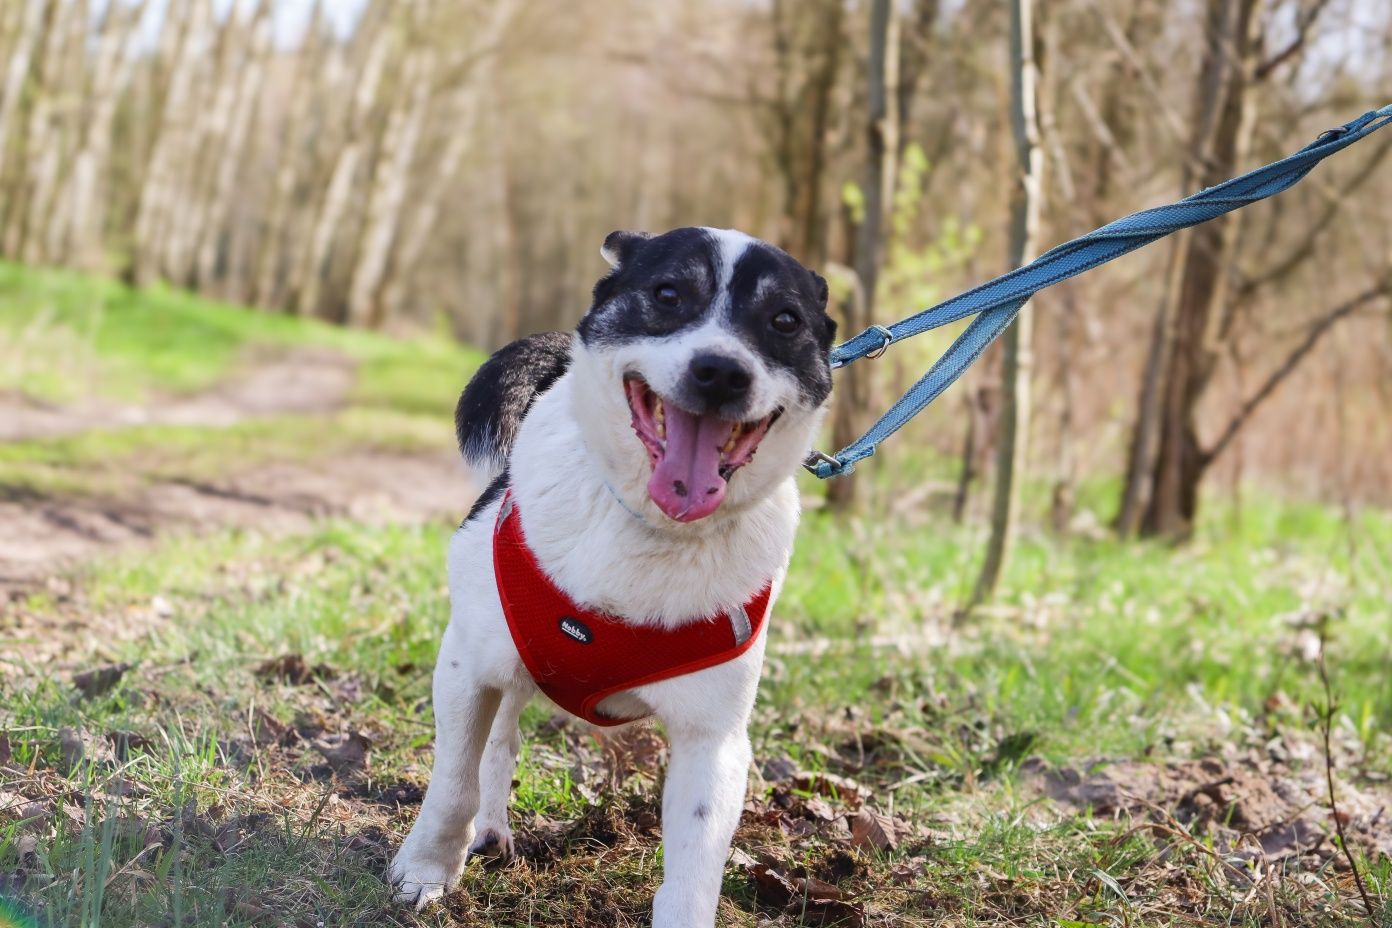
x: 692, y: 456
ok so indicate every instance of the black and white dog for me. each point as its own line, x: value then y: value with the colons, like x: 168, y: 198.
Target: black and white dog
x: 630, y: 534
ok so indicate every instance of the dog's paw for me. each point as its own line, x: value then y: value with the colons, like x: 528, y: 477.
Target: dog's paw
x: 419, y: 879
x: 492, y: 841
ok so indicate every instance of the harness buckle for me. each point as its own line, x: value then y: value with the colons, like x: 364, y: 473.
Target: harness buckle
x: 815, y: 457
x: 888, y: 337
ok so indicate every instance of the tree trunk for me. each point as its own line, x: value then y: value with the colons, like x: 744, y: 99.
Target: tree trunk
x: 29, y: 23
x: 462, y: 120
x: 1167, y: 461
x: 154, y: 211
x: 231, y: 150
x: 335, y: 201
x: 882, y: 149
x: 81, y: 222
x: 390, y: 182
x: 1012, y: 445
x: 303, y: 87
x: 39, y: 143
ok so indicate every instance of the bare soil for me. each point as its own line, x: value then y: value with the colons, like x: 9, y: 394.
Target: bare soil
x: 42, y: 537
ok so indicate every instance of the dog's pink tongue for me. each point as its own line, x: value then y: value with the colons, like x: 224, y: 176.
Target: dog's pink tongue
x: 686, y: 482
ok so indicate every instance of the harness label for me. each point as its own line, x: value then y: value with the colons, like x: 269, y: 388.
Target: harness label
x: 576, y: 629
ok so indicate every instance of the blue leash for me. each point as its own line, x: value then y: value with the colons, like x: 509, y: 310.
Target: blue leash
x: 996, y: 303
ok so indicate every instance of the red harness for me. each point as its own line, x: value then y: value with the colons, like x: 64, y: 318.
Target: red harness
x: 580, y: 657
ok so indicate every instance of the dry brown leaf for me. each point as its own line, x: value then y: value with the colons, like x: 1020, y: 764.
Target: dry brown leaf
x: 345, y: 753
x: 293, y: 668
x: 871, y: 830
x: 772, y: 887
x: 830, y: 785
x: 5, y: 753
x: 100, y: 680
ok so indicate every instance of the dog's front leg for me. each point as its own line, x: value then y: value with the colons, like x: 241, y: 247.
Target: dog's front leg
x: 701, y: 805
x: 433, y: 855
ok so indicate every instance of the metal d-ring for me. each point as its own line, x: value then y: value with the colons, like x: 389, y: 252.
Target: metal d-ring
x: 815, y: 457
x: 888, y: 337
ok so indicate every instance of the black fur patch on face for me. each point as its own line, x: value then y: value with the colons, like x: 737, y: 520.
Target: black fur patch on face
x: 634, y: 300
x: 626, y: 305
x: 767, y: 290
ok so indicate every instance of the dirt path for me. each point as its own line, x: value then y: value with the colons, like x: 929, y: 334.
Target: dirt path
x: 42, y: 538
x: 303, y: 381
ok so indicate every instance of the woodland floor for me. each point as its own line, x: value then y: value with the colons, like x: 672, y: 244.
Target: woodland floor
x: 221, y: 589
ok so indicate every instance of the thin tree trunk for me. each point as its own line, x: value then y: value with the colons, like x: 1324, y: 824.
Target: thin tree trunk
x: 40, y: 150
x: 160, y: 187
x: 30, y: 25
x: 82, y: 221
x: 1012, y: 446
x: 215, y: 232
x: 390, y: 183
x: 1198, y: 330
x: 882, y: 140
x: 335, y: 201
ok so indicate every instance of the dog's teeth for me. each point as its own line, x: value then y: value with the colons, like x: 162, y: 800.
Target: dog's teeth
x: 730, y: 442
x: 660, y: 417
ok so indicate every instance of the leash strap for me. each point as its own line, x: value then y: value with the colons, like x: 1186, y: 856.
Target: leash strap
x: 996, y: 303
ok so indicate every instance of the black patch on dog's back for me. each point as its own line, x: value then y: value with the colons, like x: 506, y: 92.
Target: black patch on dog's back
x: 497, y: 398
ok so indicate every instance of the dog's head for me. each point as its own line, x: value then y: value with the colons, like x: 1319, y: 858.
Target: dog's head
x: 702, y: 347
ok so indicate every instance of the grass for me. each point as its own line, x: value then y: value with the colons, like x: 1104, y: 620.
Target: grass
x: 263, y: 750
x: 1055, y: 672
x: 70, y: 338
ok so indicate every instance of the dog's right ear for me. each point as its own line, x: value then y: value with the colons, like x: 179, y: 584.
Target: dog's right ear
x: 618, y: 246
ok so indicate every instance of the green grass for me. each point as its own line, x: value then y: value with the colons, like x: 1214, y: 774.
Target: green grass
x: 65, y: 336
x: 1098, y: 649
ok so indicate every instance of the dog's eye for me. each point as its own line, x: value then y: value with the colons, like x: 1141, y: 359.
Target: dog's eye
x: 666, y: 294
x: 787, y: 322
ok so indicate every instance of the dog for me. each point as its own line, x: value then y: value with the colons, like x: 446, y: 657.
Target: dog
x: 630, y: 544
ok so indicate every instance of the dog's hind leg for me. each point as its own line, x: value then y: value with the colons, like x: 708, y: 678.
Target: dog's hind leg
x: 492, y: 836
x: 434, y: 853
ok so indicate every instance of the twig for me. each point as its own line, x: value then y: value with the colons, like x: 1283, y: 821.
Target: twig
x: 1326, y: 724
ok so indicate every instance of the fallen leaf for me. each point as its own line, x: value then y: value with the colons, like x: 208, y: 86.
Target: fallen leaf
x: 827, y: 912
x: 830, y: 785
x: 871, y: 830
x: 99, y: 680
x: 72, y: 748
x: 772, y: 887
x: 293, y: 668
x: 778, y: 770
x: 5, y: 753
x: 345, y: 753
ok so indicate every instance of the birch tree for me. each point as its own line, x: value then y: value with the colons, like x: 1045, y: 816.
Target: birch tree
x: 1012, y: 445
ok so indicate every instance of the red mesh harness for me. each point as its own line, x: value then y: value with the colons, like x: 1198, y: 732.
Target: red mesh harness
x: 580, y: 657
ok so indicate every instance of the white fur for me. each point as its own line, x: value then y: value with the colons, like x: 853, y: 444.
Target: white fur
x: 579, y: 477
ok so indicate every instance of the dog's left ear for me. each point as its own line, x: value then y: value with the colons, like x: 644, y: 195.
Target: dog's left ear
x: 618, y: 246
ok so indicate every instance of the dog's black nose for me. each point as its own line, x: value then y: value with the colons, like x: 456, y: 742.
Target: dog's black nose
x: 718, y: 379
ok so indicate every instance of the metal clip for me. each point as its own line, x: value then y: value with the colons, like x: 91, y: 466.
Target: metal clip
x: 815, y: 457
x: 1329, y: 135
x: 888, y: 340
